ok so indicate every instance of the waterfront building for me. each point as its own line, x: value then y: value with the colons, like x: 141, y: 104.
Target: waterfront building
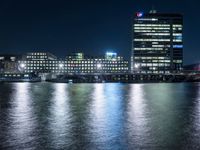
x: 105, y: 64
x: 192, y: 67
x: 9, y: 63
x: 39, y: 62
x: 157, y: 45
x: 77, y: 63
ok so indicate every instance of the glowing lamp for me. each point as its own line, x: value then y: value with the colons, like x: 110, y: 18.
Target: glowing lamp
x: 98, y: 66
x: 61, y: 65
x: 136, y: 66
x: 22, y: 65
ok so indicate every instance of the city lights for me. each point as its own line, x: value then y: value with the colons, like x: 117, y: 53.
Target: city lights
x: 22, y: 65
x: 73, y: 63
x: 136, y: 66
x: 61, y: 66
x: 152, y: 40
x: 99, y: 66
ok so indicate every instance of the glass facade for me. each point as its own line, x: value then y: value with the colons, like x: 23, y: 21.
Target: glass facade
x: 157, y: 45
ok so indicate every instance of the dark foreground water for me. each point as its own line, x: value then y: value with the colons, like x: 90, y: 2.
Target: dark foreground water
x: 38, y: 116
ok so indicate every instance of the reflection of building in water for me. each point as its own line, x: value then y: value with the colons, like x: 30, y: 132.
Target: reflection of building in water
x: 9, y: 63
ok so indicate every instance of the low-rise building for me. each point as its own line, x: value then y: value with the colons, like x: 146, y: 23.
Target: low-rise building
x: 41, y: 62
x: 9, y: 63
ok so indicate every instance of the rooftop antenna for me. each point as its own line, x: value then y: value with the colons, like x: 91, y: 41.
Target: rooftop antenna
x: 152, y: 11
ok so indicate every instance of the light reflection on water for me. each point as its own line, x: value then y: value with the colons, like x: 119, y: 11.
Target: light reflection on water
x: 99, y: 116
x: 60, y: 114
x: 107, y: 116
x: 137, y: 116
x: 21, y: 118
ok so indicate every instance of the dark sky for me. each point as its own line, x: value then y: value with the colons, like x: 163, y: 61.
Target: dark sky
x: 91, y: 26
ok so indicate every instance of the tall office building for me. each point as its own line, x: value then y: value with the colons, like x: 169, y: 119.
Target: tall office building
x: 157, y: 45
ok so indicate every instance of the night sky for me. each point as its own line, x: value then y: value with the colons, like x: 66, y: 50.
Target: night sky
x: 93, y: 27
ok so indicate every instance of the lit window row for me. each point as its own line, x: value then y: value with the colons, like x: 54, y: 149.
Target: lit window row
x: 150, y: 57
x: 177, y: 29
x: 151, y: 28
x: 148, y: 49
x: 177, y: 34
x: 153, y: 64
x: 177, y: 40
x: 152, y: 31
x: 152, y: 25
x: 160, y: 45
x: 167, y: 34
x: 177, y: 61
x: 155, y: 61
x: 147, y: 19
x: 167, y: 40
x: 177, y: 25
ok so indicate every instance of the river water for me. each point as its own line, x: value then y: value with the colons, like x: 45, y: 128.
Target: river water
x: 110, y: 116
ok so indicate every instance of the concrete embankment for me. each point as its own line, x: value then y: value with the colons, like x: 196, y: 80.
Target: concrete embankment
x: 124, y: 78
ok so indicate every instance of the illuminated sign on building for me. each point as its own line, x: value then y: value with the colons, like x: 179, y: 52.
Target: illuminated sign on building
x: 177, y: 46
x: 139, y: 14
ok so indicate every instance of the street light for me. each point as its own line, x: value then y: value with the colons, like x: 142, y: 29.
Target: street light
x: 99, y: 66
x: 136, y: 66
x: 61, y: 66
x: 22, y: 65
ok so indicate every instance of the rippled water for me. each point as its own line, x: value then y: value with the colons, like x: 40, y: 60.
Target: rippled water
x: 99, y: 116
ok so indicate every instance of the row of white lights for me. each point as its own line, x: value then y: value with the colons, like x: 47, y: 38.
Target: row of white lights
x: 22, y: 66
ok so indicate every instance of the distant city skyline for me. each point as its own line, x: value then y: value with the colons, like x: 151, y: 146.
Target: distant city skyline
x: 62, y: 27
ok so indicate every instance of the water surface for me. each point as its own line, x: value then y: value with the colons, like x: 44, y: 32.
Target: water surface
x: 99, y: 116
